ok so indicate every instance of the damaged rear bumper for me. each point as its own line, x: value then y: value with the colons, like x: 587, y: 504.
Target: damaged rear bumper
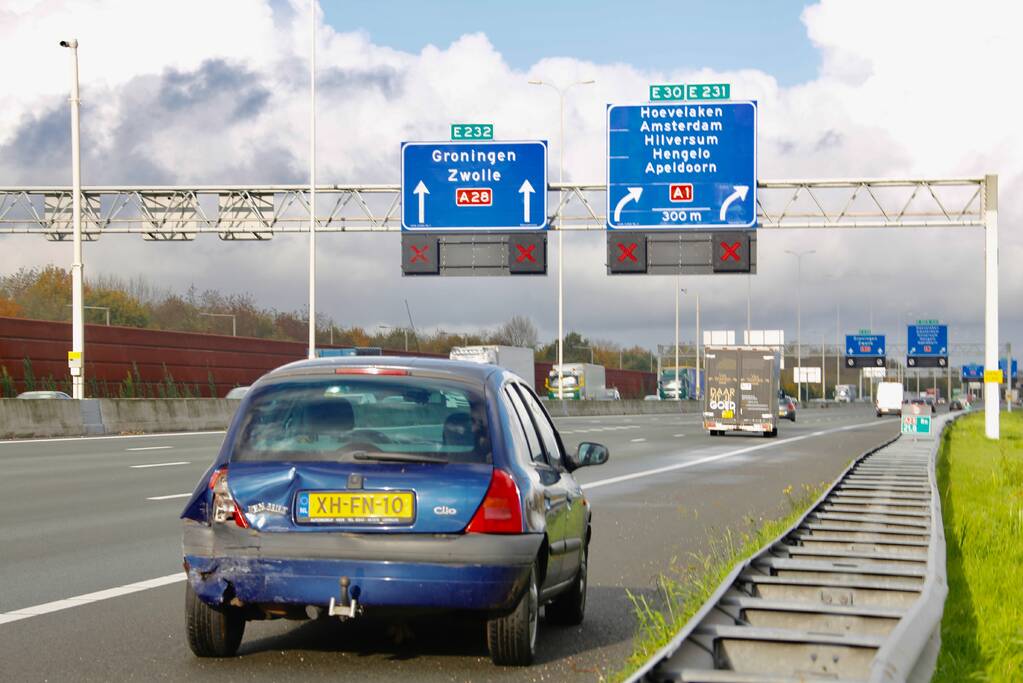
x: 466, y: 571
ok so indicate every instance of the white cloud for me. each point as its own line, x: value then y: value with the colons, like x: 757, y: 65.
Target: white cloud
x: 911, y: 88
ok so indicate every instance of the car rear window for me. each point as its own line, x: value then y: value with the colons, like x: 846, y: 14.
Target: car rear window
x: 337, y: 418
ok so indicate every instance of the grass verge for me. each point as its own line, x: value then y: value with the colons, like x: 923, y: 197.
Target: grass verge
x: 981, y: 485
x: 690, y: 582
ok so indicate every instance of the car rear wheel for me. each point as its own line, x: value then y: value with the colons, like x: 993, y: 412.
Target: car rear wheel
x: 511, y: 639
x: 570, y: 607
x: 212, y: 631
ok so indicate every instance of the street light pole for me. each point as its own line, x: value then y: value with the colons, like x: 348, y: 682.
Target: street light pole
x: 799, y: 318
x: 561, y: 233
x: 312, y: 179
x: 678, y: 384
x: 76, y: 359
x: 699, y: 384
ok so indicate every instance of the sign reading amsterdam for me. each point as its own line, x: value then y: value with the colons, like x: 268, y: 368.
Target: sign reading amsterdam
x: 682, y: 166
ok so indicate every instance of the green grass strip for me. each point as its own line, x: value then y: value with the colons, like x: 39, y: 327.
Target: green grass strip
x: 981, y: 485
x: 690, y: 582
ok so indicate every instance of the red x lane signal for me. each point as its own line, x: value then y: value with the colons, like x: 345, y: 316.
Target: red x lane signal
x: 419, y: 254
x: 627, y: 252
x: 731, y: 251
x: 525, y: 253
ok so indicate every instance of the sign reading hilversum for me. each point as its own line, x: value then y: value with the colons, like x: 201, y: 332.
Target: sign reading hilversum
x: 682, y: 166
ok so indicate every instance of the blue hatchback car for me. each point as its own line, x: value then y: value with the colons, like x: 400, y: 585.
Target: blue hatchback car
x: 346, y: 486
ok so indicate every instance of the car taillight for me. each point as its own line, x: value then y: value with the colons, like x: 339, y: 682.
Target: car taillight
x: 224, y: 505
x: 501, y: 510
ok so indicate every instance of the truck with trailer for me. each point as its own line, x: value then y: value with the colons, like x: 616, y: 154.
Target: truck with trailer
x: 517, y: 359
x: 582, y: 382
x: 684, y: 387
x: 845, y: 393
x: 741, y: 394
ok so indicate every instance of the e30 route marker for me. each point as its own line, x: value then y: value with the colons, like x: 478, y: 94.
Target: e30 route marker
x: 682, y: 166
x: 474, y: 186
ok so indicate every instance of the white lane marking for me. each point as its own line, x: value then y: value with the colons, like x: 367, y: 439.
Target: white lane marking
x: 678, y: 435
x: 102, y: 438
x: 149, y: 448
x: 713, y: 458
x: 637, y: 440
x: 161, y: 464
x: 68, y: 603
x: 170, y: 497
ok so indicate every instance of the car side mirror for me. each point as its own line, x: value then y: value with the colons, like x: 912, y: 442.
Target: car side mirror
x: 589, y: 454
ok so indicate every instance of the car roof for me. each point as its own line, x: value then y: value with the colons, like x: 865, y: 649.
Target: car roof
x: 464, y: 370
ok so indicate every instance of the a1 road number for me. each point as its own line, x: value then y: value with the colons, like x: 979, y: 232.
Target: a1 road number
x: 473, y: 196
x: 681, y: 192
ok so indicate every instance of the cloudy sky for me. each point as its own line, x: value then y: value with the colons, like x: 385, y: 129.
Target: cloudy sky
x: 217, y: 93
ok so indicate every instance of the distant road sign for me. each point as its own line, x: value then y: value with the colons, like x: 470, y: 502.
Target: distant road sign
x: 693, y: 91
x: 682, y: 166
x: 474, y: 186
x: 973, y: 372
x: 927, y: 345
x: 864, y: 350
x: 1002, y: 364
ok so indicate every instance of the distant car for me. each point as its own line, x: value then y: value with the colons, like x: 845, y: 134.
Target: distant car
x: 459, y: 497
x: 955, y: 405
x: 787, y: 407
x: 43, y: 394
x: 652, y: 397
x: 888, y: 398
x: 237, y: 392
x: 929, y: 400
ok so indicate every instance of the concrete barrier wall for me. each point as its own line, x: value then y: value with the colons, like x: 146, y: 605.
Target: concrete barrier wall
x: 22, y: 419
x: 25, y: 419
x: 127, y: 415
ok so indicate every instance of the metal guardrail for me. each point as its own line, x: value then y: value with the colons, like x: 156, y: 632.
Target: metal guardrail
x: 853, y: 591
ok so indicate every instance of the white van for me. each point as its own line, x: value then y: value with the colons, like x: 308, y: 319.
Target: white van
x: 888, y: 398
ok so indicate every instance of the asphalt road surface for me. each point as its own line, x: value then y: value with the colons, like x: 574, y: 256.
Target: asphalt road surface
x: 82, y: 516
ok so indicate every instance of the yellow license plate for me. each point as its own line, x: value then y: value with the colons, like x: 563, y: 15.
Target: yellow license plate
x: 727, y: 414
x: 357, y: 507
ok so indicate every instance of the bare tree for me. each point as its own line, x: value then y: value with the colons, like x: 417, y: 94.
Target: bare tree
x: 519, y: 331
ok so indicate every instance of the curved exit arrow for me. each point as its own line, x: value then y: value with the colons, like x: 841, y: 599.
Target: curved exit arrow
x: 740, y: 194
x: 634, y: 194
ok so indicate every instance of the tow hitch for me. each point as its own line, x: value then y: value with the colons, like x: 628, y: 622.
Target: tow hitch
x: 348, y: 607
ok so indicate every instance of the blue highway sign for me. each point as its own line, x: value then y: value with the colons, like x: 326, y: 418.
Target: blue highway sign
x: 474, y: 186
x: 682, y: 165
x: 865, y: 345
x: 973, y: 372
x: 1015, y: 367
x: 927, y: 340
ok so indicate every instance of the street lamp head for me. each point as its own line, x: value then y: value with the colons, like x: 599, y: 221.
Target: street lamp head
x: 73, y: 43
x: 535, y: 81
x: 589, y: 82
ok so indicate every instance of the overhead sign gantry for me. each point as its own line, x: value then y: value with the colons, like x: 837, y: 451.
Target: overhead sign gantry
x: 927, y: 345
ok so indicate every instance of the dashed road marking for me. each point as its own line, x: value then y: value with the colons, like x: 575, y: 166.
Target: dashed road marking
x: 161, y: 464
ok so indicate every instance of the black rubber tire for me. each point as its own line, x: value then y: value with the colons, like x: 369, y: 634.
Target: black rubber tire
x: 511, y: 639
x: 569, y: 608
x: 771, y: 434
x: 793, y: 418
x: 212, y: 631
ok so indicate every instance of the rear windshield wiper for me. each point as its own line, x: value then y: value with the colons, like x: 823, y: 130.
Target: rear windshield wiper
x: 397, y: 457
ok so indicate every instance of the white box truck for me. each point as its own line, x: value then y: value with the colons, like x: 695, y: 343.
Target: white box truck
x: 517, y: 359
x: 888, y: 398
x: 845, y: 393
x: 582, y: 382
x: 742, y: 390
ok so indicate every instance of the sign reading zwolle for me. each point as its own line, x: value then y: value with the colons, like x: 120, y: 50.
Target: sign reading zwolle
x: 474, y: 186
x: 679, y: 166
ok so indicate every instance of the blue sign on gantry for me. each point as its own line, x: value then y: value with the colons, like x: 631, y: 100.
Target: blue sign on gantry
x: 865, y: 345
x: 682, y: 165
x: 474, y: 186
x: 927, y: 340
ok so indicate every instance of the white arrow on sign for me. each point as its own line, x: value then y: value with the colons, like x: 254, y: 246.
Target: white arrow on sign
x: 526, y: 190
x: 422, y: 192
x: 634, y: 194
x: 740, y: 194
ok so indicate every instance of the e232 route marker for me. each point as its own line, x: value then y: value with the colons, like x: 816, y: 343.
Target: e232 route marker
x: 474, y: 186
x: 682, y: 166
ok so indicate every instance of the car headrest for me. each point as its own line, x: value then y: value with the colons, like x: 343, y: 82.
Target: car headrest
x: 458, y: 430
x: 331, y: 416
